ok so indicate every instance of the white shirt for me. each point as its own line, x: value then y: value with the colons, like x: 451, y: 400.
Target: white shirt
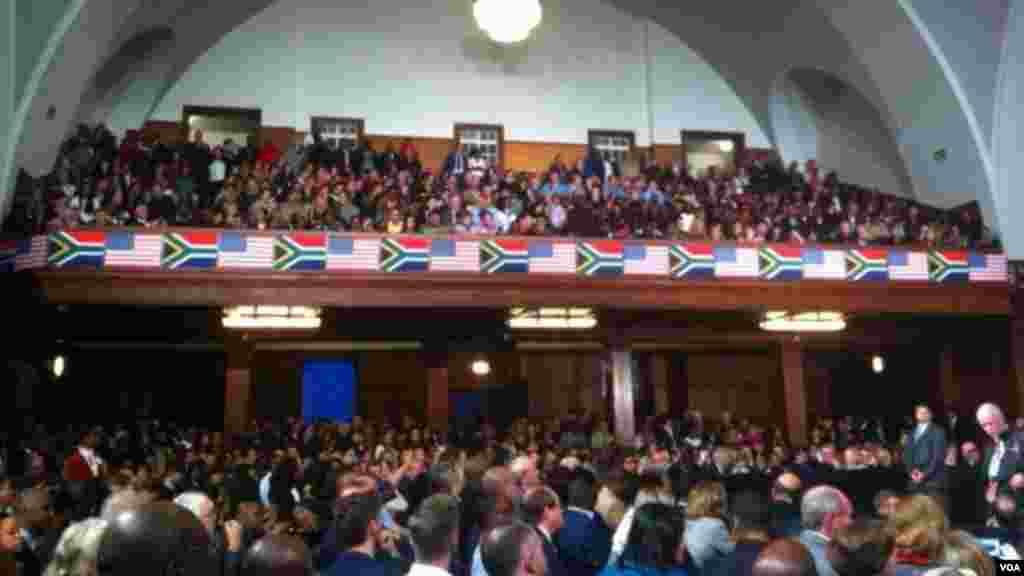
x: 545, y: 533
x: 426, y: 570
x: 997, y: 459
x: 477, y: 566
x: 91, y: 459
x: 217, y: 171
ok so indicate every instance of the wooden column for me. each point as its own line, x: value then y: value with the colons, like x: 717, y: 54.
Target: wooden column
x: 437, y: 397
x: 795, y: 391
x: 948, y: 391
x: 660, y: 382
x: 237, y: 386
x: 1017, y: 349
x: 678, y: 383
x: 623, y: 394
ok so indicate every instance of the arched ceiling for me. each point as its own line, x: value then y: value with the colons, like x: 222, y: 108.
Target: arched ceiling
x: 886, y: 52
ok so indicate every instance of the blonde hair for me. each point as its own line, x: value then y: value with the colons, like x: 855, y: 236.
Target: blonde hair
x: 918, y: 524
x: 706, y: 499
x: 77, y: 550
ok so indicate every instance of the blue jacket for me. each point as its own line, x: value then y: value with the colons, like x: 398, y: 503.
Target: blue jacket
x: 356, y: 563
x: 584, y: 542
x: 629, y: 569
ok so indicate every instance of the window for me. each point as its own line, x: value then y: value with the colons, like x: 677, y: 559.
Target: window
x: 614, y: 146
x: 343, y: 132
x: 487, y: 139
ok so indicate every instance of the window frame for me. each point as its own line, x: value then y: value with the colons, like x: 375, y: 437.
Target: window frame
x: 461, y: 127
x: 316, y: 122
x: 594, y: 134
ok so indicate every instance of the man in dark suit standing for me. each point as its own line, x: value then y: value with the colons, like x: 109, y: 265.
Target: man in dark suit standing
x: 543, y: 511
x: 584, y: 541
x: 1003, y: 463
x: 925, y: 456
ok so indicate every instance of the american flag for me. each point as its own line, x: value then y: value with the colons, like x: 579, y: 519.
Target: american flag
x: 736, y: 262
x: 31, y: 253
x: 237, y: 250
x: 454, y: 255
x: 548, y: 257
x: 824, y: 264
x: 643, y: 260
x: 987, y: 267
x: 130, y: 250
x: 908, y: 266
x: 353, y: 254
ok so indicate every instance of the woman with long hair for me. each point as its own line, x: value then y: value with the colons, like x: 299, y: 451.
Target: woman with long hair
x: 655, y: 546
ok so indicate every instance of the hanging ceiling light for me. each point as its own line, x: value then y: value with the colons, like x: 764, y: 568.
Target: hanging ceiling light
x: 507, y: 21
x: 272, y: 318
x: 781, y: 321
x: 551, y: 319
x: 58, y: 365
x: 726, y: 146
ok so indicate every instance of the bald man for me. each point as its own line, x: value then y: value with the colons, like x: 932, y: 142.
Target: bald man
x: 277, y: 555
x: 784, y: 558
x: 785, y: 507
x: 157, y: 538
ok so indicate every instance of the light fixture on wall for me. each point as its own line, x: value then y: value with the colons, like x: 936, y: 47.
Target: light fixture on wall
x: 58, y: 366
x: 551, y: 319
x: 480, y: 367
x: 877, y: 364
x: 507, y: 21
x: 271, y: 318
x: 726, y: 146
x: 783, y: 321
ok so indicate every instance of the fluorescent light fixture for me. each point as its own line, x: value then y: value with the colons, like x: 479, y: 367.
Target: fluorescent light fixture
x: 480, y: 367
x: 780, y: 321
x: 272, y: 318
x: 878, y: 364
x: 551, y: 319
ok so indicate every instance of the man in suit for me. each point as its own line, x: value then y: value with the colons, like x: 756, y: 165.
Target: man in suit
x: 1003, y: 463
x: 358, y: 535
x: 752, y: 517
x: 543, y: 511
x: 584, y: 541
x: 456, y: 163
x: 924, y: 456
x: 823, y: 509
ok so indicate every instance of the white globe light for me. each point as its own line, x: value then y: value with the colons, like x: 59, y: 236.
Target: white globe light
x: 507, y: 21
x: 481, y: 367
x: 878, y: 364
x: 726, y: 146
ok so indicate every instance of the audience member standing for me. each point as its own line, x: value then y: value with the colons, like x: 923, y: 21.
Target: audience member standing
x: 823, y: 509
x: 924, y: 456
x: 1003, y: 463
x: 435, y: 535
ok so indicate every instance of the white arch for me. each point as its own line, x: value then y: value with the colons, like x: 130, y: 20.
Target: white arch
x: 1008, y: 133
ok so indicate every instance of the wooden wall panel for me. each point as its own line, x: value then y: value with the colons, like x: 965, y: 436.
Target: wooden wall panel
x: 668, y: 153
x: 282, y: 136
x: 537, y: 156
x: 392, y: 383
x: 747, y: 384
x: 169, y: 132
x: 432, y: 151
x: 276, y: 385
x: 661, y: 382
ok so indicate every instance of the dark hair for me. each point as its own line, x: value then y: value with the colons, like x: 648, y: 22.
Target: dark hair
x: 862, y: 547
x: 501, y: 548
x: 654, y: 536
x: 751, y: 511
x: 434, y: 527
x: 536, y: 502
x: 583, y: 491
x: 353, y: 516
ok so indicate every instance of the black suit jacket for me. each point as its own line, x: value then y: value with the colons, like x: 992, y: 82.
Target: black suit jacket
x: 927, y: 454
x: 554, y: 563
x: 1011, y: 463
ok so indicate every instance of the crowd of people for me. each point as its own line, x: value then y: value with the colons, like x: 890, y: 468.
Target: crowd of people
x: 689, y: 497
x: 98, y: 181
